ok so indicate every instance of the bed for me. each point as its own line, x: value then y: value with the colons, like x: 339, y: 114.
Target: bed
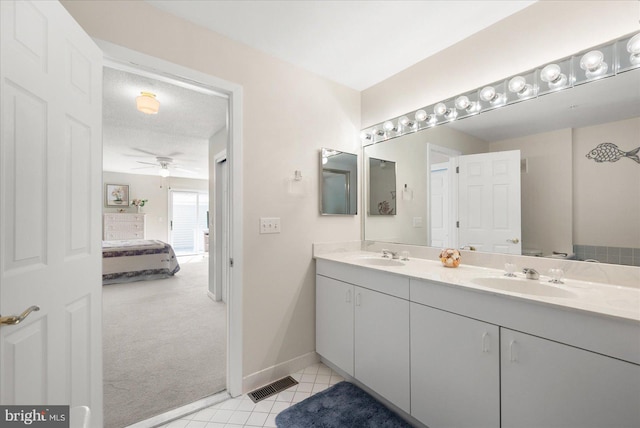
x: 137, y: 260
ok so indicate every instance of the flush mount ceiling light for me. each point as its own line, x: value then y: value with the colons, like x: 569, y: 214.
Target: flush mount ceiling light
x: 147, y: 103
x: 601, y: 61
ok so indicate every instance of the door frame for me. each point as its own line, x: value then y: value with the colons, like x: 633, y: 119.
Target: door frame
x: 220, y: 220
x: 122, y: 58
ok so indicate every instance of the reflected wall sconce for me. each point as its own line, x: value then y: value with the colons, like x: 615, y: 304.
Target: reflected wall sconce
x: 603, y: 61
x: 147, y: 103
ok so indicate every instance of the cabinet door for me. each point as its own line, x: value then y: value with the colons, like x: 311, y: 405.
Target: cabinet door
x: 455, y: 365
x: 382, y: 345
x: 334, y: 322
x: 548, y: 384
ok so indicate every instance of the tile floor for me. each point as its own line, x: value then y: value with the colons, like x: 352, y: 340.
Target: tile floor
x: 242, y: 412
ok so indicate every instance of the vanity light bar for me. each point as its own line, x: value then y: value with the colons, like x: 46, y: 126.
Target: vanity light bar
x: 595, y: 63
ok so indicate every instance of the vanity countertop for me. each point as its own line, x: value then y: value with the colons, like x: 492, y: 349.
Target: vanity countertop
x: 604, y: 299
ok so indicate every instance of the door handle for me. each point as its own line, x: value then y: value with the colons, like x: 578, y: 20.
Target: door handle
x: 514, y: 240
x: 17, y: 319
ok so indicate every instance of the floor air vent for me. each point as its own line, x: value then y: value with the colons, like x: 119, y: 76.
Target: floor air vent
x: 272, y: 389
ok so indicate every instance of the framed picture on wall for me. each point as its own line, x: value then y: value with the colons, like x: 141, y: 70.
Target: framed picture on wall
x: 117, y: 195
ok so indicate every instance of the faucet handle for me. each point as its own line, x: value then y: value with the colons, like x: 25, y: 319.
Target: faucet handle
x: 531, y: 273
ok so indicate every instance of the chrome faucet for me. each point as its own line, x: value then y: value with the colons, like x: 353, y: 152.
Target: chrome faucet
x: 531, y: 273
x: 393, y: 254
x: 468, y: 247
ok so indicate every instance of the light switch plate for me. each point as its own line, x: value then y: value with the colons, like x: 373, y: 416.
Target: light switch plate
x: 269, y: 225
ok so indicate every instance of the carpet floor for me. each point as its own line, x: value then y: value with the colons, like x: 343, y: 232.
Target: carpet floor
x: 342, y: 405
x: 164, y: 345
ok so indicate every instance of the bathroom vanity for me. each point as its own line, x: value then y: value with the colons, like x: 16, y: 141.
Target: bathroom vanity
x: 469, y: 347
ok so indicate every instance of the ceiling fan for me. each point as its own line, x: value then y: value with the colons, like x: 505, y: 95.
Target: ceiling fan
x: 164, y: 162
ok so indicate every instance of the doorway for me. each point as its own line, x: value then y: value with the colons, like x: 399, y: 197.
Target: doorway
x: 232, y: 373
x: 188, y: 214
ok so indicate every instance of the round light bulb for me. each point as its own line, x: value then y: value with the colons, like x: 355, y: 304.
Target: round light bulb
x: 462, y: 102
x: 553, y: 75
x: 633, y: 45
x: 421, y: 115
x: 488, y: 93
x: 377, y: 132
x: 388, y: 126
x: 164, y: 172
x: 517, y: 84
x: 404, y: 120
x: 440, y: 109
x: 365, y: 136
x: 593, y: 64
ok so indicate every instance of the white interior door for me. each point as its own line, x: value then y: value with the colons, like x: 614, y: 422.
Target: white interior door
x: 50, y: 181
x: 489, y: 202
x: 440, y: 206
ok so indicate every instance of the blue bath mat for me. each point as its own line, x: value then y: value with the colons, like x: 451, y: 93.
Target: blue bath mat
x: 343, y: 405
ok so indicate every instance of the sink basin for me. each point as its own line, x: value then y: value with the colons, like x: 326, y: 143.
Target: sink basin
x: 378, y: 261
x: 524, y: 286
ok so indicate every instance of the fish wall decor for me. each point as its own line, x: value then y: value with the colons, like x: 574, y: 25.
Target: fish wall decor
x: 609, y: 152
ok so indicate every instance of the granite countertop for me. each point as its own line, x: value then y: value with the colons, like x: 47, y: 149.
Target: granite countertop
x: 604, y: 299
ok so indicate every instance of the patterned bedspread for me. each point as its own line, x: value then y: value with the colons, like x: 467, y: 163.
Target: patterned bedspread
x: 137, y: 260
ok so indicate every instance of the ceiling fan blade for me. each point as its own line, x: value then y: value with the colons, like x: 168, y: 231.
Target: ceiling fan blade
x: 188, y: 171
x: 174, y: 154
x: 144, y: 167
x: 144, y: 151
x: 148, y: 163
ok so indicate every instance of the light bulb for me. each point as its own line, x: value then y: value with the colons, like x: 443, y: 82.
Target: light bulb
x: 520, y: 87
x: 488, y: 93
x: 377, y: 132
x: 593, y: 64
x: 440, y: 109
x: 462, y: 102
x: 553, y: 75
x: 404, y: 121
x: 421, y: 115
x: 164, y: 173
x: 633, y: 47
x: 364, y: 136
x: 388, y: 126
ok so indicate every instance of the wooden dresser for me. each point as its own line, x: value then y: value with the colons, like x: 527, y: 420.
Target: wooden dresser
x: 123, y: 226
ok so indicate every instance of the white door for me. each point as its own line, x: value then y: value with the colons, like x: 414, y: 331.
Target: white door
x: 50, y: 204
x: 440, y: 216
x: 489, y: 202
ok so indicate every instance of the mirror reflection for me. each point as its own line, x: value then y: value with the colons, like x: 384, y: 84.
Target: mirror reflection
x: 338, y: 184
x: 382, y: 187
x: 579, y: 195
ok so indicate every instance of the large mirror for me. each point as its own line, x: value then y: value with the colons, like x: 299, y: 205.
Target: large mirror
x: 338, y: 182
x: 579, y: 195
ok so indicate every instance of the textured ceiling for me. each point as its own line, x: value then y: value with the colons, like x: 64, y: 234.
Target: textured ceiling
x: 181, y: 129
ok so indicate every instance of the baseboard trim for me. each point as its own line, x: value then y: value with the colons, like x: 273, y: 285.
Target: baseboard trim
x: 180, y: 412
x: 270, y: 374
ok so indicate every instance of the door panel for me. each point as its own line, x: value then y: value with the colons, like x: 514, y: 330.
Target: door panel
x: 50, y: 182
x: 489, y: 202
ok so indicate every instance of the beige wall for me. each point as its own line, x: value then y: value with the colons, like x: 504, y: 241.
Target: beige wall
x: 289, y: 114
x: 545, y: 31
x: 607, y: 194
x: 156, y: 190
x: 546, y: 189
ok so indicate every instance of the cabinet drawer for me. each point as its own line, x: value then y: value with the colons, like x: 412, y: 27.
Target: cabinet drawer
x: 384, y: 282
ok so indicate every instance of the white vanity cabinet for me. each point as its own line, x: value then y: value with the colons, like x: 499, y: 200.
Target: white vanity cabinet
x: 549, y: 384
x: 362, y: 327
x: 455, y: 370
x: 334, y: 322
x: 382, y: 345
